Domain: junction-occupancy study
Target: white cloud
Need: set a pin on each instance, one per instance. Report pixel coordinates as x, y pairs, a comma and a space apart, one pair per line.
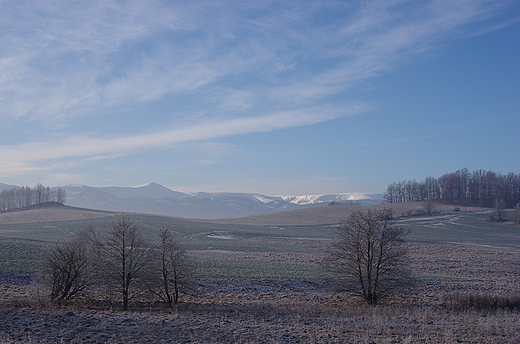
26, 157
61, 60
240, 67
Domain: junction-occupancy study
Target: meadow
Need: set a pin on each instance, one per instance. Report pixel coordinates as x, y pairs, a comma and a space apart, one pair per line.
235, 250
261, 281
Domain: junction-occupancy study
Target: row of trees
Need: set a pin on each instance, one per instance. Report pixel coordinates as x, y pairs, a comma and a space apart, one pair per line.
122, 264
25, 196
478, 188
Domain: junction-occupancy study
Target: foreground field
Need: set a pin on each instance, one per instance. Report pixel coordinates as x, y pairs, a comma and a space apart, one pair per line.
307, 319
252, 310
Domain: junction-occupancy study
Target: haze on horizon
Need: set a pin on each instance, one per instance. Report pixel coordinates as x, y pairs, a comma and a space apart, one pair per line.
270, 97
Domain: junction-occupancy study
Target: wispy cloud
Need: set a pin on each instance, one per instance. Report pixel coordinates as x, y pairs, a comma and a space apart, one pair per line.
61, 60
239, 67
25, 158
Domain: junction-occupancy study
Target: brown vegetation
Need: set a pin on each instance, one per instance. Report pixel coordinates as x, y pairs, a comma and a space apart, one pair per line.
259, 311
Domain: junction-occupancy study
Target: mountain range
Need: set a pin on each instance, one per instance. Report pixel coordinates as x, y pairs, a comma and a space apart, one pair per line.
156, 199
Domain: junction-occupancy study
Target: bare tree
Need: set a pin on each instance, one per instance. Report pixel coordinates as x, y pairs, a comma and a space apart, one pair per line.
368, 254
39, 193
68, 268
516, 214
124, 257
429, 206
61, 195
498, 209
172, 273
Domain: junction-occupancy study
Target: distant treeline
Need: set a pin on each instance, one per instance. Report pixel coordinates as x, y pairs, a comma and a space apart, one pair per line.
478, 188
25, 196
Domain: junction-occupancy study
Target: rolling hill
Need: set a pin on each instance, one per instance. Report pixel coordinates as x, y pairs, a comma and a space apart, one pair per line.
50, 212
267, 246
320, 216
310, 216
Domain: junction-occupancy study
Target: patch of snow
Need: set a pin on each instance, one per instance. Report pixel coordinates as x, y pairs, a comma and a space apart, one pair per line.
361, 198
221, 236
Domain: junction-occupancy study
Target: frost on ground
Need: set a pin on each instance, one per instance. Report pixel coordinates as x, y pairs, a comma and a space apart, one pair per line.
240, 310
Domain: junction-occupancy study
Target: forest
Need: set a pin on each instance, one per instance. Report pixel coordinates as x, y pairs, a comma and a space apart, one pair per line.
478, 188
25, 196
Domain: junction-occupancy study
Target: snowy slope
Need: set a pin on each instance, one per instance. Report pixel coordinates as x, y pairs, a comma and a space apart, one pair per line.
346, 198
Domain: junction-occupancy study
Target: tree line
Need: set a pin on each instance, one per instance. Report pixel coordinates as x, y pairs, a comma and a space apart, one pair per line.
478, 188
25, 196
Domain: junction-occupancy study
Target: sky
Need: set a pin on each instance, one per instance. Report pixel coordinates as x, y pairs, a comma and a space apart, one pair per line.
271, 97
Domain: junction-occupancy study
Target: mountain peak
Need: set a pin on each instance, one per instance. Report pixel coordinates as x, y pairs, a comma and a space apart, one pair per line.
151, 185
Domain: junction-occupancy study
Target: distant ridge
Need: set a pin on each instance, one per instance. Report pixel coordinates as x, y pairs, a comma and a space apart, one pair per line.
153, 198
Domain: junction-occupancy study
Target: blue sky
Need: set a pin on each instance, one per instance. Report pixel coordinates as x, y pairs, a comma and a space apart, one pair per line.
274, 97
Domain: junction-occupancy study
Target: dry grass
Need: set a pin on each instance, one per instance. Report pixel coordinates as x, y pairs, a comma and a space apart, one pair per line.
248, 311
261, 318
485, 302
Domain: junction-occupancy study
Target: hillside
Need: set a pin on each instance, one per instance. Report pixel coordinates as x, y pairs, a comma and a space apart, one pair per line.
311, 216
50, 212
318, 216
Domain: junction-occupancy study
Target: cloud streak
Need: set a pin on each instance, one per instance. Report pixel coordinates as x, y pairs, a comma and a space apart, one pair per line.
63, 60
231, 67
25, 158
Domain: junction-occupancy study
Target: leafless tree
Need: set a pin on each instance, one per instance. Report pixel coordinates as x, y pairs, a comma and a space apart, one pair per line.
172, 273
67, 267
516, 213
368, 254
498, 210
124, 256
61, 195
477, 188
429, 206
25, 196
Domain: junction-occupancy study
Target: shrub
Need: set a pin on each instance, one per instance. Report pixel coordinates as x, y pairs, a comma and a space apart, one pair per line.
485, 302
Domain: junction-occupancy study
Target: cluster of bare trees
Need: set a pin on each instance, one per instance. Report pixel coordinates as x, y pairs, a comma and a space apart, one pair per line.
25, 196
478, 188
122, 264
368, 255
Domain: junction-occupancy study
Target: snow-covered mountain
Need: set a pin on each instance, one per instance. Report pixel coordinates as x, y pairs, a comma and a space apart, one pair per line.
156, 199
356, 198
